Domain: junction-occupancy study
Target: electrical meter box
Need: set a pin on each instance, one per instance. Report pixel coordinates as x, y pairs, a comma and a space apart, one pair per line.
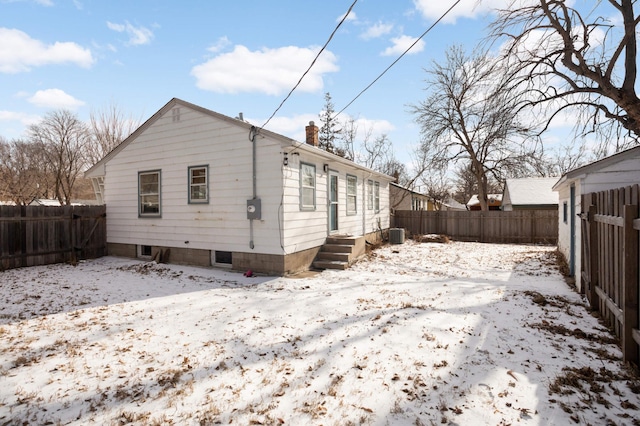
254, 210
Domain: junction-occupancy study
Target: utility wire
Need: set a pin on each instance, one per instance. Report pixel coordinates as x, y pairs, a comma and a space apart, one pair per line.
312, 63
400, 57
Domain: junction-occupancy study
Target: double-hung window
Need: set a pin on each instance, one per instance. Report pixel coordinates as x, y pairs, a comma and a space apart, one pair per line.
352, 195
307, 186
149, 194
376, 197
199, 185
369, 195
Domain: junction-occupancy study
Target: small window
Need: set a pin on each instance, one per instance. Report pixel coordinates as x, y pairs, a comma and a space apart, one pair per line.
199, 185
149, 194
565, 212
376, 196
223, 257
370, 195
307, 186
144, 251
352, 195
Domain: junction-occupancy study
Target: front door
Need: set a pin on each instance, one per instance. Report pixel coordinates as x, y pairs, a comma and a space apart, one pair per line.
333, 202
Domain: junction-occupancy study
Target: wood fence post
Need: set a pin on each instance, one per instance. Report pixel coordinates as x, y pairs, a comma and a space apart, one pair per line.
593, 258
630, 285
72, 237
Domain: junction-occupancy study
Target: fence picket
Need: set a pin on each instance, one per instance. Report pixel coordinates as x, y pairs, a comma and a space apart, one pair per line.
523, 226
38, 235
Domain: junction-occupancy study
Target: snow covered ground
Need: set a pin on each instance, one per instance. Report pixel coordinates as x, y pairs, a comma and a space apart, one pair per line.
419, 333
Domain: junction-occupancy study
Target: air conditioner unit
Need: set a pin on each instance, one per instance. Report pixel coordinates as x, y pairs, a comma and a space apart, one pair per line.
396, 235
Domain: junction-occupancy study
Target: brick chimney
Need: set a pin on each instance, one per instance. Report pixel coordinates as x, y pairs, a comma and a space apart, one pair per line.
312, 134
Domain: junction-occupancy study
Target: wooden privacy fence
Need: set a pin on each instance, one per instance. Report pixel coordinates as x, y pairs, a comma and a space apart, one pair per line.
519, 226
610, 256
39, 235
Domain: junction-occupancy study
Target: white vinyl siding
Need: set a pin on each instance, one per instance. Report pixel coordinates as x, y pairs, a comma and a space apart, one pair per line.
307, 186
198, 185
149, 194
175, 146
352, 195
198, 138
376, 197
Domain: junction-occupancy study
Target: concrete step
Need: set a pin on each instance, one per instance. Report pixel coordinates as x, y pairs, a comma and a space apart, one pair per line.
337, 248
349, 241
325, 255
330, 264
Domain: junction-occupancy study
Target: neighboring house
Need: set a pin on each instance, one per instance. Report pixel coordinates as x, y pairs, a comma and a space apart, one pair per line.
530, 194
401, 198
452, 205
616, 171
203, 188
494, 201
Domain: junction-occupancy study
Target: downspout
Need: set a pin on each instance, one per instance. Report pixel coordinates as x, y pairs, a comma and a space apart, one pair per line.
252, 137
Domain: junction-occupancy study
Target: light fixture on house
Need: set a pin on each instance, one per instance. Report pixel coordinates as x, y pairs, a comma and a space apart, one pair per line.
285, 162
325, 167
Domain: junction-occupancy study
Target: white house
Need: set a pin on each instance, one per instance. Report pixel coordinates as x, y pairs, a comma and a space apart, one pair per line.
401, 198
616, 171
534, 193
198, 187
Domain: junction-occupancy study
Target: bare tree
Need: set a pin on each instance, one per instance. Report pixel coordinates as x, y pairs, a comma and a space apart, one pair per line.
24, 175
109, 127
582, 61
465, 184
349, 138
64, 138
470, 117
437, 187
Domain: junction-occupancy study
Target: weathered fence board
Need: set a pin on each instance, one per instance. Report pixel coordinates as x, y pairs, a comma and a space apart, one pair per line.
520, 226
39, 235
610, 268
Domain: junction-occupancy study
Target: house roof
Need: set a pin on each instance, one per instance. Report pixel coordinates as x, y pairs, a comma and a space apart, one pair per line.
406, 189
597, 165
98, 168
453, 204
474, 201
530, 191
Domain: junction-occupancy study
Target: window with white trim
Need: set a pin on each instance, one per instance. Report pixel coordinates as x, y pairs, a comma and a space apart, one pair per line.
369, 194
149, 194
376, 196
352, 195
307, 186
198, 185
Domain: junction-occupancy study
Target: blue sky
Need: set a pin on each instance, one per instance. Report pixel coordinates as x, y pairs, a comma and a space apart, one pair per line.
227, 56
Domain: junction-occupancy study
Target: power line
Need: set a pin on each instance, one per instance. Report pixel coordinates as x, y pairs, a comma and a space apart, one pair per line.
312, 63
399, 57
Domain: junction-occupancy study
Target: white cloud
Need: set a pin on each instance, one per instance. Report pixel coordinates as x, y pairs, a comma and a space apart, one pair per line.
377, 127
23, 118
351, 17
376, 30
269, 71
402, 43
54, 98
219, 45
293, 127
432, 10
19, 52
137, 35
